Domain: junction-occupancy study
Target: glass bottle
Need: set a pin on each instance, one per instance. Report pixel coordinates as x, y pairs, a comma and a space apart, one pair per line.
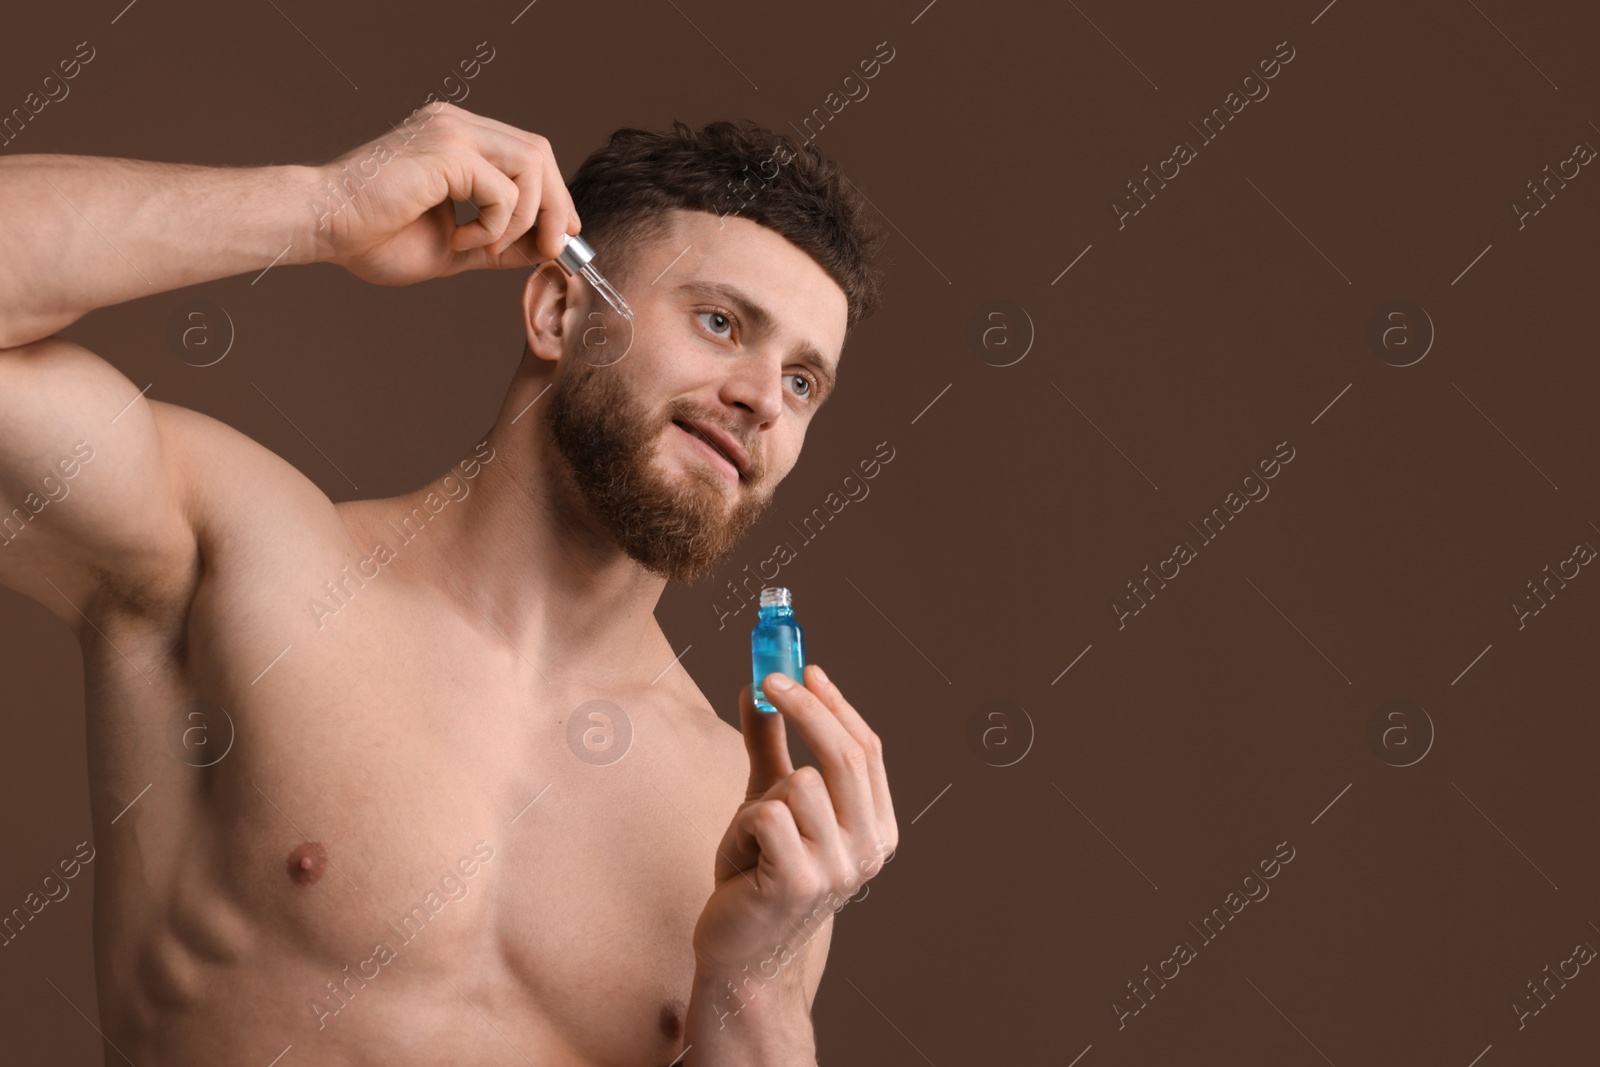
777, 643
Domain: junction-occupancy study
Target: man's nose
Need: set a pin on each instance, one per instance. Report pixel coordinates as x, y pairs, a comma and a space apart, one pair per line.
756, 385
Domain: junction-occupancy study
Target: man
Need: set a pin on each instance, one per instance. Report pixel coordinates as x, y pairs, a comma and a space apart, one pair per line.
424, 842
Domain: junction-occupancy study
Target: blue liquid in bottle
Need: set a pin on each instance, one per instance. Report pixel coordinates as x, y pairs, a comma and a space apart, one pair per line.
777, 643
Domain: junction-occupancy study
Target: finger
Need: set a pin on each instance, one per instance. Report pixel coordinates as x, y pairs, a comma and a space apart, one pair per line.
522, 253
520, 162
844, 760
524, 163
768, 831
530, 187
482, 259
852, 721
554, 195
481, 184
766, 742
519, 254
806, 793
557, 213
473, 258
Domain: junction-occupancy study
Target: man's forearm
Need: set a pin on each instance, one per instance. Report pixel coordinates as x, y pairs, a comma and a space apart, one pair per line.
85, 232
742, 1021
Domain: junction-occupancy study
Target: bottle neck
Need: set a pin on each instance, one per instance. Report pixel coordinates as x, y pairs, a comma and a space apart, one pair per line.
776, 611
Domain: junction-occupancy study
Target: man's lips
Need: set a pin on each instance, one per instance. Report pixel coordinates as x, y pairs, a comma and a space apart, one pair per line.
718, 443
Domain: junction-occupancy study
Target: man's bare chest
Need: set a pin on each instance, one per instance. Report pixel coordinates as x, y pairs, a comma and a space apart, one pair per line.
392, 812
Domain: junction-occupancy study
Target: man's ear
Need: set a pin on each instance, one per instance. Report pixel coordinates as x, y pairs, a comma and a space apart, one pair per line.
544, 310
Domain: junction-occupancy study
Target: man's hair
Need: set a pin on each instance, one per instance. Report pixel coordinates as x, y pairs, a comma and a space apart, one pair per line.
624, 189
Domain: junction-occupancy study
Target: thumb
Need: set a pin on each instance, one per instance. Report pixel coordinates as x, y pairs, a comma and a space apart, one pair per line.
766, 743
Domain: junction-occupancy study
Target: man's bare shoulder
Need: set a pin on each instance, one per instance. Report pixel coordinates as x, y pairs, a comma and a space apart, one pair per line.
717, 729
245, 504
232, 473
718, 743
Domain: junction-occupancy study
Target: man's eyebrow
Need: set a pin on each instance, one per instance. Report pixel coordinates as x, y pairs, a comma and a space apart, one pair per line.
762, 321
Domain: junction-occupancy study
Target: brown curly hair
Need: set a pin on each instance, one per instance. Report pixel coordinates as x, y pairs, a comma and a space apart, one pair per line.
624, 188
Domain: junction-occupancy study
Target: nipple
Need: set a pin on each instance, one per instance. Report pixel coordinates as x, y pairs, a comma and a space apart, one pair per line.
672, 1019
307, 862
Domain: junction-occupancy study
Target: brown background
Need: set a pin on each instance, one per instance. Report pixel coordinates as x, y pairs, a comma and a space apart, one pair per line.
1233, 713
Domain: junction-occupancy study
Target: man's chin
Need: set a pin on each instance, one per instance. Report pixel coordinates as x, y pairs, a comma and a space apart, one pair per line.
682, 571
697, 533
685, 561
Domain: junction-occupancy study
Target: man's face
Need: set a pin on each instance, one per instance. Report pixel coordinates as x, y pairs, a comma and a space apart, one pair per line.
739, 332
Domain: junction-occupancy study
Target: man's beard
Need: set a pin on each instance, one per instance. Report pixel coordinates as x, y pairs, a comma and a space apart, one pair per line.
609, 439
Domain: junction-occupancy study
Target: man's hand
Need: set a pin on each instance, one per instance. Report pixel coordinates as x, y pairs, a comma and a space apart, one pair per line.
802, 841
384, 211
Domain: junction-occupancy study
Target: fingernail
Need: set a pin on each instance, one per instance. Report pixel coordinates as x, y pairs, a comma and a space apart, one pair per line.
821, 674
780, 682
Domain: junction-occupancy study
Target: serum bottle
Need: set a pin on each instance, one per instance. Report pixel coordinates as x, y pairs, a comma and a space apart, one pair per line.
777, 643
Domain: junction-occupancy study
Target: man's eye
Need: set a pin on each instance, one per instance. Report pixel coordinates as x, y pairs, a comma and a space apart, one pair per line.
726, 321
811, 386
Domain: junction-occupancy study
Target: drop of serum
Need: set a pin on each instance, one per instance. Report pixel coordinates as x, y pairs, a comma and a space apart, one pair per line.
307, 862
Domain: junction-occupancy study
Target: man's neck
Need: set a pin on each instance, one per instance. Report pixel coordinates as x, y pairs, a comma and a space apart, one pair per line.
510, 543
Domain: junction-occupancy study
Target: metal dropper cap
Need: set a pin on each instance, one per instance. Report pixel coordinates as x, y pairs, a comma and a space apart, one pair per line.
575, 255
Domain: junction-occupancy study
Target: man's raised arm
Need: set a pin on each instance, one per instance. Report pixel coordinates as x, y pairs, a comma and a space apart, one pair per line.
85, 232
79, 233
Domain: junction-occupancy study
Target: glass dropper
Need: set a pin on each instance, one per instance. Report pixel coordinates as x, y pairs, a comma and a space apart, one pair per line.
577, 258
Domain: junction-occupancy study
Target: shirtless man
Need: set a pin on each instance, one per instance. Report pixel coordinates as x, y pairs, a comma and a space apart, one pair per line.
408, 852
